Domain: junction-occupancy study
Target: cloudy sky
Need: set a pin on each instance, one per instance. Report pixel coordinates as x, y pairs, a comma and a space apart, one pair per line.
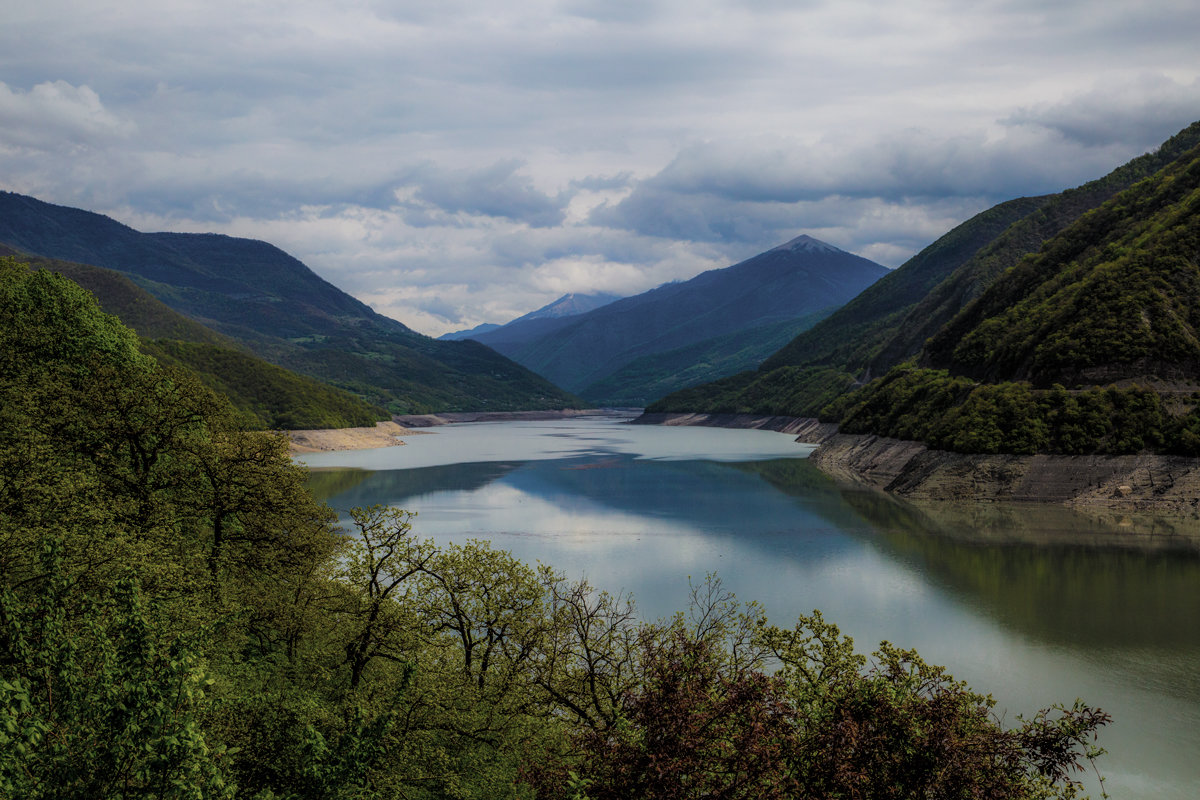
454, 162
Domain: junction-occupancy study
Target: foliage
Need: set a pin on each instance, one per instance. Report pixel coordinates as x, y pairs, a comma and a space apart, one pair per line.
703, 722
280, 399
784, 391
1091, 346
955, 413
279, 310
652, 376
1073, 337
179, 618
1112, 298
95, 704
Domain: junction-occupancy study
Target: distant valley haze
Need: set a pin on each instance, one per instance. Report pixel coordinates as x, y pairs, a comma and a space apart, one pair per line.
452, 164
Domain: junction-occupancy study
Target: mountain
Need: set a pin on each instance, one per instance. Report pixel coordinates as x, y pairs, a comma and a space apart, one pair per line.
795, 280
260, 296
571, 304
890, 321
455, 336
524, 327
1092, 345
649, 377
274, 397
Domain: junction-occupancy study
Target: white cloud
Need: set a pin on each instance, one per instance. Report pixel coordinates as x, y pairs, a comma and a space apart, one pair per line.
458, 162
57, 118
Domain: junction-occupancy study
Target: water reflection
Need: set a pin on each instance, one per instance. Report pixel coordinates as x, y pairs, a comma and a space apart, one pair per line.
1036, 605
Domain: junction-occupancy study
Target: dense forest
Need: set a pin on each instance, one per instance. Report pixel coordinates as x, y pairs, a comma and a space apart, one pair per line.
1128, 235
180, 619
265, 303
1074, 331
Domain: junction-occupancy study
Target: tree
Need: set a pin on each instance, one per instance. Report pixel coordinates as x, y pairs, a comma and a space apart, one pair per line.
94, 704
382, 559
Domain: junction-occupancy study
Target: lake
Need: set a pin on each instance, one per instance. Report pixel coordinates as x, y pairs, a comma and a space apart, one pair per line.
1034, 605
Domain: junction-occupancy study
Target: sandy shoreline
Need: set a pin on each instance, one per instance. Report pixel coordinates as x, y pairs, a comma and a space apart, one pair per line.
383, 434
458, 417
387, 434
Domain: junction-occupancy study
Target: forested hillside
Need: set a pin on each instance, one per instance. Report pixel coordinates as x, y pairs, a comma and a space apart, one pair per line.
1089, 346
890, 321
273, 397
180, 619
283, 312
792, 284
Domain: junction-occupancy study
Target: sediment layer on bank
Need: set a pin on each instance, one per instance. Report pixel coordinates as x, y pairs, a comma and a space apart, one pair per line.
806, 429
912, 470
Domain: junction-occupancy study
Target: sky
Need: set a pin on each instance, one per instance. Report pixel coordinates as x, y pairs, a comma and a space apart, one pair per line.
452, 162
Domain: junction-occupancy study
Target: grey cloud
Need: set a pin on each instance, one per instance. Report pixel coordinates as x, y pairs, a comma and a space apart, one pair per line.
734, 225
911, 163
623, 11
740, 191
597, 183
54, 115
1134, 113
495, 191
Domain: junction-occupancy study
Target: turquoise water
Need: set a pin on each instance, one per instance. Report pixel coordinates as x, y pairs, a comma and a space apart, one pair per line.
1035, 606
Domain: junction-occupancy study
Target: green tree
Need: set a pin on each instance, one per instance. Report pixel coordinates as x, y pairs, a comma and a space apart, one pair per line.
95, 704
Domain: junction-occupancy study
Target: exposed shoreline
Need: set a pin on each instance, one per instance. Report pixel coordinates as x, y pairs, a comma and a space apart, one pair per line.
807, 430
382, 434
1168, 484
455, 417
389, 433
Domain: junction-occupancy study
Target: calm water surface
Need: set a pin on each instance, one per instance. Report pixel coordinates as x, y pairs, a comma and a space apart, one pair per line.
1035, 606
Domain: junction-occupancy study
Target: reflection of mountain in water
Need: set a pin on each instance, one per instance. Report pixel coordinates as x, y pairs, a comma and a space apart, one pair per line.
741, 500
326, 482
1088, 582
1067, 578
399, 487
710, 497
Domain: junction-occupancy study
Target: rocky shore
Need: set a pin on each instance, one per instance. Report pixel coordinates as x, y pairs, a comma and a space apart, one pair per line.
1169, 484
911, 470
809, 431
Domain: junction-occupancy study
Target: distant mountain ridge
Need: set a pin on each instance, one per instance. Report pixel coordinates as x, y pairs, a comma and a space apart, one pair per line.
519, 329
261, 296
797, 279
891, 321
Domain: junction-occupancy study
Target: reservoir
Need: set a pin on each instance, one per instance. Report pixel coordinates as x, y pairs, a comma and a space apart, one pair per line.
1034, 605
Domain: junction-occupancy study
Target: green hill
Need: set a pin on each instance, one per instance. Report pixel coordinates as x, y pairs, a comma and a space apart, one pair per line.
648, 377
891, 320
597, 353
283, 312
275, 397
1090, 346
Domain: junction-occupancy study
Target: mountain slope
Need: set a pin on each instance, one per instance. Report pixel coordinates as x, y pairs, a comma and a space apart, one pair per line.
455, 336
890, 321
276, 397
259, 295
785, 283
543, 321
1090, 346
647, 378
